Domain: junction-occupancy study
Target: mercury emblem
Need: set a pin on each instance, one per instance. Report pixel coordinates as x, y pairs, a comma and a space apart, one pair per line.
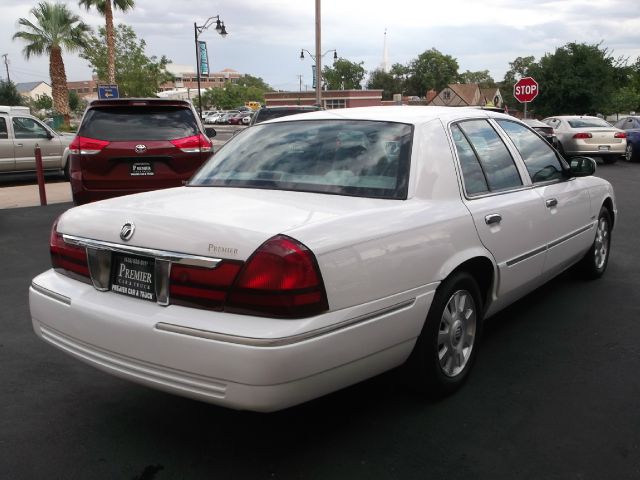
127, 231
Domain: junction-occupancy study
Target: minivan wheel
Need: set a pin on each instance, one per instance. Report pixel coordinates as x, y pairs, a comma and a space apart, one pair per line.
448, 344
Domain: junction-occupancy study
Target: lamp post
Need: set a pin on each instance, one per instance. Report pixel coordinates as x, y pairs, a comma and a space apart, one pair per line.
197, 30
317, 59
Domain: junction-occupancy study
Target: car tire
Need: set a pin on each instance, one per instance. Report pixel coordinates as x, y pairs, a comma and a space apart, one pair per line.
629, 153
65, 171
448, 344
594, 263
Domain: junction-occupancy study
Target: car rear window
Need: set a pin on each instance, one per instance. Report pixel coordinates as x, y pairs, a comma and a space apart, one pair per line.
588, 122
131, 123
265, 114
344, 157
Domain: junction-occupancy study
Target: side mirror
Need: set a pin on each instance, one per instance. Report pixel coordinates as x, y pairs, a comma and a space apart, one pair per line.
582, 166
210, 132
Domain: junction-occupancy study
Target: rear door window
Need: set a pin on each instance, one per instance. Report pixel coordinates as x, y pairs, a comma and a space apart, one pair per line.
138, 124
541, 161
497, 164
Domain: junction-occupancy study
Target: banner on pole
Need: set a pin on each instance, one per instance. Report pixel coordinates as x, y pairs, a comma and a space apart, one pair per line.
313, 73
203, 57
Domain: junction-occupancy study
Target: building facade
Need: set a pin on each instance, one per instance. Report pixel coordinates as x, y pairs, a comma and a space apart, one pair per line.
33, 90
330, 98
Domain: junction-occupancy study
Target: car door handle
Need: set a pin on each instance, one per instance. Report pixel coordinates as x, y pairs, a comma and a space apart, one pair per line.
19, 145
493, 218
552, 202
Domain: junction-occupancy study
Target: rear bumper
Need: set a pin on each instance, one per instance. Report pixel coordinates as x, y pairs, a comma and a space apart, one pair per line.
235, 361
617, 149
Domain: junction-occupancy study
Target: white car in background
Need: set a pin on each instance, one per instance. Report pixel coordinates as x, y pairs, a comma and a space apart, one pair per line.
318, 250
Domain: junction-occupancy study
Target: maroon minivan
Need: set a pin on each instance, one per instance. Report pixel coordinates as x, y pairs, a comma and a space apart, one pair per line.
134, 145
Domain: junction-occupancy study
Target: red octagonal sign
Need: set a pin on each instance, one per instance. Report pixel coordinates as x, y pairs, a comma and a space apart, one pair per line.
526, 90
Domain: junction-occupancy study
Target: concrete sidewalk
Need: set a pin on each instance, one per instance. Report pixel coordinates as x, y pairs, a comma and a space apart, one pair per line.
28, 196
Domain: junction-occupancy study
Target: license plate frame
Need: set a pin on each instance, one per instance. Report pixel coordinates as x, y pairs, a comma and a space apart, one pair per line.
604, 148
133, 276
141, 169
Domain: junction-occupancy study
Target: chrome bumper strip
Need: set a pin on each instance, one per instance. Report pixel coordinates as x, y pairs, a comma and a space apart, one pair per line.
51, 294
282, 341
174, 257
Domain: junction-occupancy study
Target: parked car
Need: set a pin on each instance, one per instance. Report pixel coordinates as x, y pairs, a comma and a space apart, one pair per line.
20, 132
631, 126
315, 251
238, 118
544, 130
267, 113
134, 145
212, 117
246, 120
224, 118
585, 135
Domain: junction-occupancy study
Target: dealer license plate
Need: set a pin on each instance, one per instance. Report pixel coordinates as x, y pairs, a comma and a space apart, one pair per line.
141, 169
133, 276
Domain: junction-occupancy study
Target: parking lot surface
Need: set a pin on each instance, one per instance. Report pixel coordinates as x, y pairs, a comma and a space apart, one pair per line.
554, 394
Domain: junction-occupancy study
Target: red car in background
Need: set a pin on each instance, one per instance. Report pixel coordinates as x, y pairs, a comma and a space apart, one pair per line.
134, 145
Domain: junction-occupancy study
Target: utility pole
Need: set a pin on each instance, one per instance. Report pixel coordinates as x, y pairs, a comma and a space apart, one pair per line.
318, 58
6, 64
300, 90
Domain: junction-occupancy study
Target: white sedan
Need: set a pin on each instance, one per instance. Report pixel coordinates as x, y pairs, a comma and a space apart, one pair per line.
315, 251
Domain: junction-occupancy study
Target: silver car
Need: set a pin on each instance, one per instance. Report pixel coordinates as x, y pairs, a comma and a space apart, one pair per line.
588, 136
19, 135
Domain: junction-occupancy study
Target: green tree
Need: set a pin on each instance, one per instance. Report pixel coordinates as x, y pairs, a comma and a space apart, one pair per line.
577, 78
344, 75
105, 7
136, 74
257, 82
55, 29
483, 78
43, 102
625, 100
518, 69
432, 70
379, 79
234, 95
9, 94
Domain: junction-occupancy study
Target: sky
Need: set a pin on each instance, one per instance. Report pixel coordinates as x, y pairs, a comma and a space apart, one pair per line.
266, 36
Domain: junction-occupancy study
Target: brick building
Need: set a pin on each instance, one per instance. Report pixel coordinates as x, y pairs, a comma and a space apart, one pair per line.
330, 98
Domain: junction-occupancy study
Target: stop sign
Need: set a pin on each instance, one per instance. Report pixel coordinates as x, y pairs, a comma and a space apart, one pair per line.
526, 90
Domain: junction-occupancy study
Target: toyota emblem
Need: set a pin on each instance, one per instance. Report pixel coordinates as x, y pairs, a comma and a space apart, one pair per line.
127, 231
141, 148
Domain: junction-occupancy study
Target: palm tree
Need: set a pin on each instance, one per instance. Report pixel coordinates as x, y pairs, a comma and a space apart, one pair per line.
55, 28
105, 7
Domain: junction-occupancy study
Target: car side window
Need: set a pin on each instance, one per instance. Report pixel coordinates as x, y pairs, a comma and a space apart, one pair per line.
4, 134
497, 164
472, 174
24, 127
541, 161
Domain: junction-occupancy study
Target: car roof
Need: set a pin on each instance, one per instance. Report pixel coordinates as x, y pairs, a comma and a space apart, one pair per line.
403, 114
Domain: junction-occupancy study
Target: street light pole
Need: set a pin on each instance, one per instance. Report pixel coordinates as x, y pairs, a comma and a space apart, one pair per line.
318, 58
197, 30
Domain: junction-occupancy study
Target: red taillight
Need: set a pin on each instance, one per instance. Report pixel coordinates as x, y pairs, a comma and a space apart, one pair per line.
86, 146
68, 258
203, 287
280, 279
194, 144
582, 135
620, 135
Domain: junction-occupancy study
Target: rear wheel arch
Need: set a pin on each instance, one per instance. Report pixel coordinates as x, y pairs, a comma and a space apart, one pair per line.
483, 272
608, 204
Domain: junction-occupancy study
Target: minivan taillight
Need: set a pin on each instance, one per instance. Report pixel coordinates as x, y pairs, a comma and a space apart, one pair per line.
194, 144
86, 146
280, 279
66, 257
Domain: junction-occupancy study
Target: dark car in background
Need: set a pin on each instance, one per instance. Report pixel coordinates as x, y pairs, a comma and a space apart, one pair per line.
631, 125
134, 145
268, 113
543, 129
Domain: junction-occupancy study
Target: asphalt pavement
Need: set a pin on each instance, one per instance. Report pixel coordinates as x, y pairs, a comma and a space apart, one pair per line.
554, 394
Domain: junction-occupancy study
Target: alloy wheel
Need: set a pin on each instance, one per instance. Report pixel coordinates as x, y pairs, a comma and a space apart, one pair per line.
457, 332
601, 243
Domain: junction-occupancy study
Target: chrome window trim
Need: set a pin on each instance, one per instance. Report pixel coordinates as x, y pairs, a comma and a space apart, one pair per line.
174, 257
281, 341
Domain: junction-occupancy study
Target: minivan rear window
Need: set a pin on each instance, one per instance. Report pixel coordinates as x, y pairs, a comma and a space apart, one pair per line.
136, 124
